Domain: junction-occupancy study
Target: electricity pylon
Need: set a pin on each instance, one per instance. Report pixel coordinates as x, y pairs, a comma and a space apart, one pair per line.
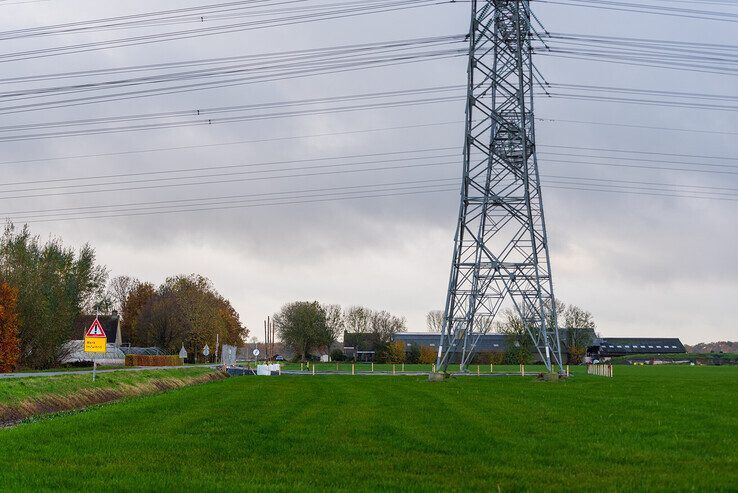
501, 249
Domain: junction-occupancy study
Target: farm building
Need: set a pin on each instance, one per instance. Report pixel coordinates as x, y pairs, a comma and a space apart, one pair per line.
607, 347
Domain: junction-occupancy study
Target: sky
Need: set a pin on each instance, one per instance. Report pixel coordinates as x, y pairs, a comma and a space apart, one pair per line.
643, 264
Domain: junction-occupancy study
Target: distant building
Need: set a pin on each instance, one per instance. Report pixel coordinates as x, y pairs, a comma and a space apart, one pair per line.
608, 347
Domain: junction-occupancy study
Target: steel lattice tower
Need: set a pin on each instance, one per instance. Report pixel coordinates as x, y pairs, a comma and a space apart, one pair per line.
501, 248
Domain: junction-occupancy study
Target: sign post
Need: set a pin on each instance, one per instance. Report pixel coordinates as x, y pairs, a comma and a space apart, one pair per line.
96, 341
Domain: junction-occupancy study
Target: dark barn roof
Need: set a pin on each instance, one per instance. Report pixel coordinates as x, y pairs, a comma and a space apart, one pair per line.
486, 343
621, 346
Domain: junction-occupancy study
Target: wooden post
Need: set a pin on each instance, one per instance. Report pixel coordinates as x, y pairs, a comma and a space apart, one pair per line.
477, 370
433, 368
336, 366
302, 366
372, 366
353, 369
567, 370
393, 369
522, 370
403, 368
313, 369
490, 367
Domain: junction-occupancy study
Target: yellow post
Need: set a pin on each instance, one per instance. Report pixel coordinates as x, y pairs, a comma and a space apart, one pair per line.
433, 368
353, 369
313, 369
567, 370
336, 366
477, 370
393, 369
522, 370
302, 366
490, 367
372, 366
403, 368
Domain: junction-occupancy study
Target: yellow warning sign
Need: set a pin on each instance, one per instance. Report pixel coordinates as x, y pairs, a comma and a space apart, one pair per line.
96, 341
96, 344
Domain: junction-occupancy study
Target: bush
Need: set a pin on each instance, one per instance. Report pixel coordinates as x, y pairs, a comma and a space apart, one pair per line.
148, 360
337, 355
413, 356
489, 358
427, 355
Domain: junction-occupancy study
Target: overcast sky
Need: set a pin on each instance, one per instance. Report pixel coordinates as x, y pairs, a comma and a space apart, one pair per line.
643, 265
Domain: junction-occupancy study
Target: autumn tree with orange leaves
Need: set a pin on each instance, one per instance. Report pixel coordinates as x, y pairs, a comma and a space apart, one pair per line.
9, 342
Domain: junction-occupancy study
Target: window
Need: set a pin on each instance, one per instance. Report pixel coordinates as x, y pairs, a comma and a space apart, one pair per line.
497, 345
650, 347
673, 347
620, 346
658, 347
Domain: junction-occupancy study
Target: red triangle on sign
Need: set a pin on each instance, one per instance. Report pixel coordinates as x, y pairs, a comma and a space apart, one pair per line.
95, 330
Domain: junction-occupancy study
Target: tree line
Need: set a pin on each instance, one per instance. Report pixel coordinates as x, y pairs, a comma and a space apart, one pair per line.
306, 327
576, 328
45, 287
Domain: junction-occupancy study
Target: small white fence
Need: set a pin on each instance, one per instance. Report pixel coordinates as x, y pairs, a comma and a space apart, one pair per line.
600, 370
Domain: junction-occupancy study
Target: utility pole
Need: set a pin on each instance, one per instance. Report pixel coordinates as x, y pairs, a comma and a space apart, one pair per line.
501, 252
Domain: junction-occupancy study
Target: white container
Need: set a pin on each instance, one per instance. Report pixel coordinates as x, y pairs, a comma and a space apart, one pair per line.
263, 370
275, 368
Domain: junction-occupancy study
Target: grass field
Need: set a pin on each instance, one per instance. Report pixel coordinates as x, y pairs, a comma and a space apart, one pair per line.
650, 428
15, 390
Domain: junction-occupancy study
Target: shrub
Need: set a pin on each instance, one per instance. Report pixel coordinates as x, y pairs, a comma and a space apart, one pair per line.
396, 352
489, 358
427, 355
413, 356
149, 360
337, 355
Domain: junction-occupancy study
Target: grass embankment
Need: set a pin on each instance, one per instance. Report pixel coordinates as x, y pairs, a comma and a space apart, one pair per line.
26, 397
647, 429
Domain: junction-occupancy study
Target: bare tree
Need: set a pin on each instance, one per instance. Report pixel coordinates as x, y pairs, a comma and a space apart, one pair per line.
118, 289
434, 321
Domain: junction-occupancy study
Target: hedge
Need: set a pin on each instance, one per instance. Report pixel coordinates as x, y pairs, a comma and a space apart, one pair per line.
148, 360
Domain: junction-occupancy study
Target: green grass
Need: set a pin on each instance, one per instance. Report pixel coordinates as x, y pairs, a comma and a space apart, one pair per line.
14, 390
387, 367
647, 429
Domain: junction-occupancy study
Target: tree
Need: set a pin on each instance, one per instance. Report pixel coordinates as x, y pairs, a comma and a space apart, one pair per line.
9, 342
138, 296
434, 321
427, 355
413, 355
119, 288
185, 310
55, 285
580, 327
396, 352
335, 319
520, 346
303, 327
